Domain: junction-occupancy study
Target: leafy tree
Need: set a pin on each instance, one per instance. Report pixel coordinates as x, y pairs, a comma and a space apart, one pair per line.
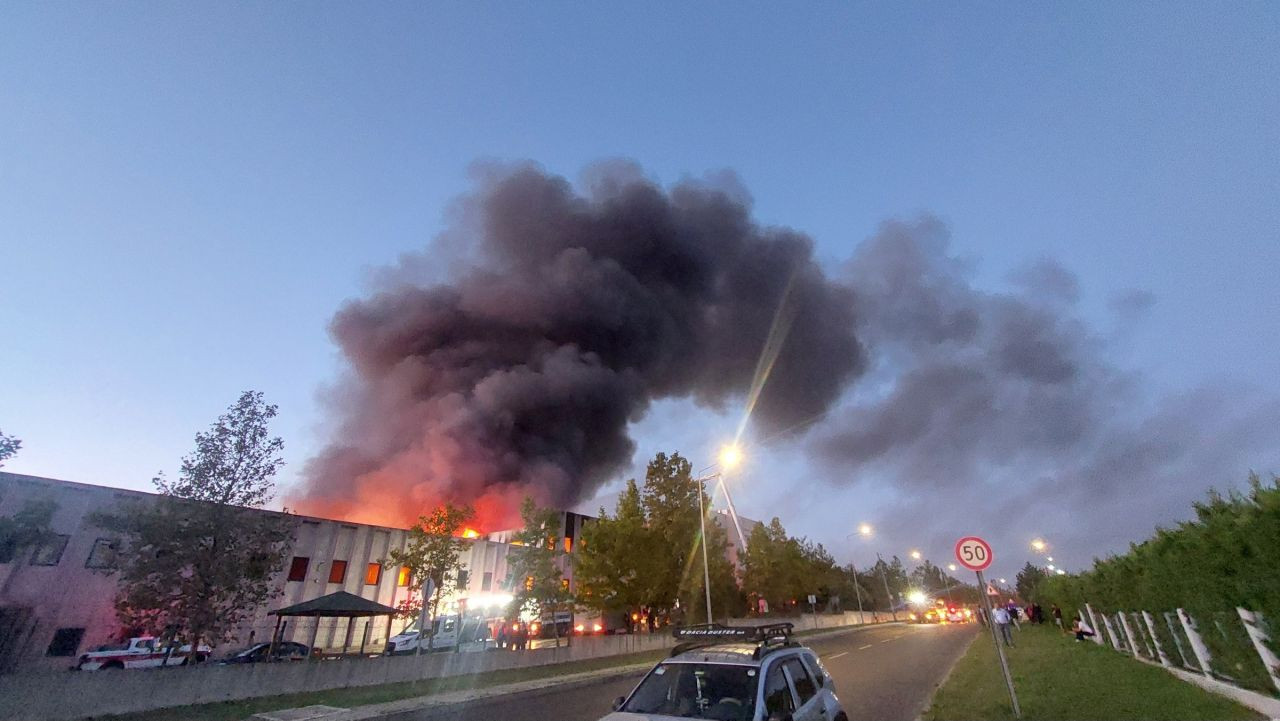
615, 557
670, 499
726, 596
196, 562
534, 570
1030, 582
894, 575
9, 446
25, 529
432, 553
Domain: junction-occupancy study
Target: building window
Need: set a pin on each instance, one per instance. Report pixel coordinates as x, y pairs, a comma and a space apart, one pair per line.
66, 641
486, 581
464, 578
373, 574
298, 568
406, 575
50, 552
337, 572
103, 554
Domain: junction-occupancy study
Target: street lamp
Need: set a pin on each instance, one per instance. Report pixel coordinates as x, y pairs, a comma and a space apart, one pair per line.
1038, 545
864, 529
730, 456
915, 555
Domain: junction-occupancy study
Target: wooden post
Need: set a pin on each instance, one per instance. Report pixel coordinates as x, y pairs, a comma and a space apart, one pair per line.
275, 638
311, 654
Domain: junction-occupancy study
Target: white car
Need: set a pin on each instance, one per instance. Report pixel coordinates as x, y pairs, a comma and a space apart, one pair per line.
751, 673
139, 652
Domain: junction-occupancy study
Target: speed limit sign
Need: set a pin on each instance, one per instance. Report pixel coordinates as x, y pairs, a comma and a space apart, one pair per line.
973, 553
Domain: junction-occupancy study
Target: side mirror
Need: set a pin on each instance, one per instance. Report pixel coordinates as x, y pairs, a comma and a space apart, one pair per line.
617, 702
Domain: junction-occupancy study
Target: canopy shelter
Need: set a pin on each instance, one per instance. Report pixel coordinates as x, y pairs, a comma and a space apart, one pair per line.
335, 605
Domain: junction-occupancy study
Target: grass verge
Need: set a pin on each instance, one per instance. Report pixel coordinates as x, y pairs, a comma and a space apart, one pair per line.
364, 695
1057, 678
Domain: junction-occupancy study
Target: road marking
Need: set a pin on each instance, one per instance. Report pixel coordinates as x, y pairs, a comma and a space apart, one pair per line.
887, 640
837, 655
862, 647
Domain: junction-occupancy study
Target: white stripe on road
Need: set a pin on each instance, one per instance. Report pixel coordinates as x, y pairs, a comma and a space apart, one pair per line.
862, 647
837, 655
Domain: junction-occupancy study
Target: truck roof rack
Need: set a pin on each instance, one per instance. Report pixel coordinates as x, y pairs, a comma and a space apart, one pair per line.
768, 636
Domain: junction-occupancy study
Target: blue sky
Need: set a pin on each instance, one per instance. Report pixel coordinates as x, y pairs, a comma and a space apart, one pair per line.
189, 191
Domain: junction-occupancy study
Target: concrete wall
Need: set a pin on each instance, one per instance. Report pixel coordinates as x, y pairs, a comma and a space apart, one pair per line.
64, 696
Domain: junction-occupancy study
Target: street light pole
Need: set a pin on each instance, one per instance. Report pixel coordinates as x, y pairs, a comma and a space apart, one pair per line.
706, 565
885, 578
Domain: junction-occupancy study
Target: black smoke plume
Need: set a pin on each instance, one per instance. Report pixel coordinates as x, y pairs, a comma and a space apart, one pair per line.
516, 366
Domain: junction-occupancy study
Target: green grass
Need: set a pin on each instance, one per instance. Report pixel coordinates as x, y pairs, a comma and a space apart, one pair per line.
363, 695
1058, 678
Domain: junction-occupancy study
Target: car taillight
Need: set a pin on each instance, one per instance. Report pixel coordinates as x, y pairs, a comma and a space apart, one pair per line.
580, 628
597, 628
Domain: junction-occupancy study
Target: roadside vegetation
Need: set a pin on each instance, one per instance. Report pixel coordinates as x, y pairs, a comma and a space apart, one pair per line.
1223, 559
1057, 677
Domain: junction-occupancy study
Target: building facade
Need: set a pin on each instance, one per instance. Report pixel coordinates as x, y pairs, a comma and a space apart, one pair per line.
57, 599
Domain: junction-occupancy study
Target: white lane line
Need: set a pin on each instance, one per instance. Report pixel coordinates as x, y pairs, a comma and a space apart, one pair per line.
862, 647
837, 655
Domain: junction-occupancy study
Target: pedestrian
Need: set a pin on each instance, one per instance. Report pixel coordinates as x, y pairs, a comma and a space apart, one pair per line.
502, 634
1081, 629
1037, 614
1057, 615
1002, 620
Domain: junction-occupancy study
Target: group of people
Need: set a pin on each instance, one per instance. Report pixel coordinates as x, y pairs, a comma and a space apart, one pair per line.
515, 638
1009, 616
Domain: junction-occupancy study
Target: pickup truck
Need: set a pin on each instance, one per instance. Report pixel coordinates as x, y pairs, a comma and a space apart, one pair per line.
139, 652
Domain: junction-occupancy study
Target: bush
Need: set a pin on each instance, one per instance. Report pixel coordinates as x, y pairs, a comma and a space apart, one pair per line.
1224, 558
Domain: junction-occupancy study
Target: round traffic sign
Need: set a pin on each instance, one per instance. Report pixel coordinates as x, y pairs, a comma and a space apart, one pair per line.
973, 553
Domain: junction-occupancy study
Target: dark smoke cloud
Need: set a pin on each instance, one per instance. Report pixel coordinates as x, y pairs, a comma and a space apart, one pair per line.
1000, 413
551, 319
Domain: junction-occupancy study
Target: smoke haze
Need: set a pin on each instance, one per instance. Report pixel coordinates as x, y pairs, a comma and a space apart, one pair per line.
514, 355
514, 364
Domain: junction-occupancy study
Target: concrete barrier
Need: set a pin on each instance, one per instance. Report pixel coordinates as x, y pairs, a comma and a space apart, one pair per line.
74, 695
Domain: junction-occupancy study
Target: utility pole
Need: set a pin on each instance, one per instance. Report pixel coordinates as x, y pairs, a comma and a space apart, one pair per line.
884, 576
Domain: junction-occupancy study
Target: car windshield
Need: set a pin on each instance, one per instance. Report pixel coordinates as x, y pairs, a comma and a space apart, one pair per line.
697, 690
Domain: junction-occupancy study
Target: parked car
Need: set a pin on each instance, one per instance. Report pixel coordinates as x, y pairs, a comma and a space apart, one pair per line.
285, 651
139, 652
734, 674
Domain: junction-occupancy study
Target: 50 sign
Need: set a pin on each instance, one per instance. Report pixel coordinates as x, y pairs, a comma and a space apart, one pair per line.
973, 553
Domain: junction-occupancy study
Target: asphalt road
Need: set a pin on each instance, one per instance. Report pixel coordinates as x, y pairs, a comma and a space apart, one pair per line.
883, 672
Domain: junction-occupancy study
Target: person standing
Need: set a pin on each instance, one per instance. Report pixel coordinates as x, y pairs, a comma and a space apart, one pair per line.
1002, 620
1057, 615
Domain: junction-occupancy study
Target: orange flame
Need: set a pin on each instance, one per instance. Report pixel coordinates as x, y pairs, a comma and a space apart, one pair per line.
470, 533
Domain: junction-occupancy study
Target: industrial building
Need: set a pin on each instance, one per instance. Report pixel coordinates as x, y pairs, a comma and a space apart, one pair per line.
57, 600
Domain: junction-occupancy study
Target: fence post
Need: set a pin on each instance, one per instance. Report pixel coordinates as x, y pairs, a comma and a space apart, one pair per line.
1111, 632
1146, 640
1097, 629
1197, 644
1128, 632
1151, 628
1253, 626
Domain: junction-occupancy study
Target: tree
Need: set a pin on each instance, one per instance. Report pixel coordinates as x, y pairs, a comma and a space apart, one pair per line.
533, 564
670, 500
615, 555
9, 446
196, 562
27, 528
432, 553
1030, 583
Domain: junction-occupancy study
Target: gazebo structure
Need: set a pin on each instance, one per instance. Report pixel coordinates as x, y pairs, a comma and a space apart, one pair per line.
335, 605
